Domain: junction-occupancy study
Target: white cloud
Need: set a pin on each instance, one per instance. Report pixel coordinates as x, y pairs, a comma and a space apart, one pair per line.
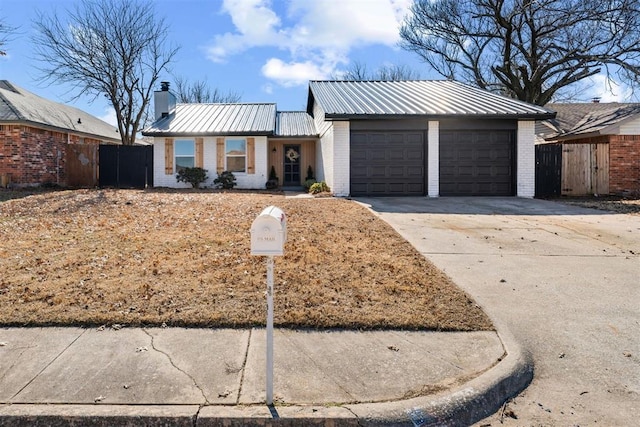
256, 25
110, 116
608, 90
318, 35
292, 73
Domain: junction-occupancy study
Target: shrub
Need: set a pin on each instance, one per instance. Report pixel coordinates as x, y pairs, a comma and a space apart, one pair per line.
310, 175
308, 183
272, 183
225, 180
194, 176
319, 187
272, 174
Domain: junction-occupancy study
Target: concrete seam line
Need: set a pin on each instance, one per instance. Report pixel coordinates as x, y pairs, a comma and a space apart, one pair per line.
48, 364
244, 366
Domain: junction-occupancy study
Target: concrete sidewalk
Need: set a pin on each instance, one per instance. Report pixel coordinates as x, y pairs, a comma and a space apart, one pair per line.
176, 376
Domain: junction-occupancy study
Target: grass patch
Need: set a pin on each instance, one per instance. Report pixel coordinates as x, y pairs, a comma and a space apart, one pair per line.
92, 257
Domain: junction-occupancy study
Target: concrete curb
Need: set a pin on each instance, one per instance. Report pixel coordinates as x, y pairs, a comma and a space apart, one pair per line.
461, 406
59, 415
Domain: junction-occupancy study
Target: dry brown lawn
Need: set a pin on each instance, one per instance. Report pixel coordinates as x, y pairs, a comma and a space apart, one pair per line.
94, 257
607, 203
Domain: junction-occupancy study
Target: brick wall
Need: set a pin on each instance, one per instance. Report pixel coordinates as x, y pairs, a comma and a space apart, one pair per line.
31, 155
433, 159
256, 180
624, 164
341, 159
525, 158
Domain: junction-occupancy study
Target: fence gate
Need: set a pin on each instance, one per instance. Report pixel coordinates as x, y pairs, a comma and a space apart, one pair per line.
585, 169
81, 165
548, 170
126, 166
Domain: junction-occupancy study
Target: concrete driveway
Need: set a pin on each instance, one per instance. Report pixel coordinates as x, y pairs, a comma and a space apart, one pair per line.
564, 280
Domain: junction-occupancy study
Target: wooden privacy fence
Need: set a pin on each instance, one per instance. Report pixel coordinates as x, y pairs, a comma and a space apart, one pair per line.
585, 169
81, 165
548, 170
126, 166
117, 166
572, 169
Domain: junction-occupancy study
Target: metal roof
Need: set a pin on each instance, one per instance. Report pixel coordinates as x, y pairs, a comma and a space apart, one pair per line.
216, 119
20, 105
583, 119
295, 124
431, 98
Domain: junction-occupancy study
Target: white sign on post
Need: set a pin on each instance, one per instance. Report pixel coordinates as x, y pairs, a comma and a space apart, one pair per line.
268, 234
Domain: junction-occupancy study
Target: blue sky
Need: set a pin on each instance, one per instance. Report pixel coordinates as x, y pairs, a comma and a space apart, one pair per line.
265, 50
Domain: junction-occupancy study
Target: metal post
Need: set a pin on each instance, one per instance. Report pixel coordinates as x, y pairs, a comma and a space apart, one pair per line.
269, 330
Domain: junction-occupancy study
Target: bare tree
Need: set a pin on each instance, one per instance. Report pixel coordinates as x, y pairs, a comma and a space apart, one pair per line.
199, 92
358, 71
6, 31
527, 49
114, 48
396, 72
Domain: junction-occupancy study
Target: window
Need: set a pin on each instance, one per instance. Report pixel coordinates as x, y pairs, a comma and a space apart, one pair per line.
236, 154
185, 154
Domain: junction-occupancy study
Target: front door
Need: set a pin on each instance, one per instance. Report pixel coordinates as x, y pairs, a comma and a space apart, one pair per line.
291, 165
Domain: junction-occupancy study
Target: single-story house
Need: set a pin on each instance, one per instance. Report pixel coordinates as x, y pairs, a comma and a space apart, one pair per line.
38, 136
387, 138
598, 145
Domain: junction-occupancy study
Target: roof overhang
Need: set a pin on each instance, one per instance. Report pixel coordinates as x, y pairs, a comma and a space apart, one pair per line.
573, 137
29, 123
203, 134
344, 117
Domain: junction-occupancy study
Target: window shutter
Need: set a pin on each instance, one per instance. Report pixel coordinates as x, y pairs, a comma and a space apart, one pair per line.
199, 152
219, 155
251, 155
168, 156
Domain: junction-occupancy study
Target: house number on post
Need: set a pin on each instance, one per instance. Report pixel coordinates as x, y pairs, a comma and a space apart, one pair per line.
268, 234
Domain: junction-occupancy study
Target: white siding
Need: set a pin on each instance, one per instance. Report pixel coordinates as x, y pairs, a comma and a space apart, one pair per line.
245, 181
257, 180
630, 128
160, 179
433, 159
525, 154
341, 159
324, 159
318, 117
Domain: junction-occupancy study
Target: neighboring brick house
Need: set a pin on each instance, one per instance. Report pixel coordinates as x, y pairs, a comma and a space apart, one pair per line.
36, 133
600, 147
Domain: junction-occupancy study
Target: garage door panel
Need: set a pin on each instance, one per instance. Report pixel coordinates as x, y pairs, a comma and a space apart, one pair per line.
394, 166
358, 156
397, 156
377, 155
477, 163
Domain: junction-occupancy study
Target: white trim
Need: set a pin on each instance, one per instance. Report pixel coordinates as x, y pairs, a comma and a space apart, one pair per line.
433, 159
525, 159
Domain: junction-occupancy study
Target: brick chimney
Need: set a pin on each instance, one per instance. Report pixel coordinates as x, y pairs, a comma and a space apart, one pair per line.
164, 101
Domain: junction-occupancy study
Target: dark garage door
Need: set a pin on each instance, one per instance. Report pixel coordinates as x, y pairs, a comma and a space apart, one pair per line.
387, 163
477, 163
